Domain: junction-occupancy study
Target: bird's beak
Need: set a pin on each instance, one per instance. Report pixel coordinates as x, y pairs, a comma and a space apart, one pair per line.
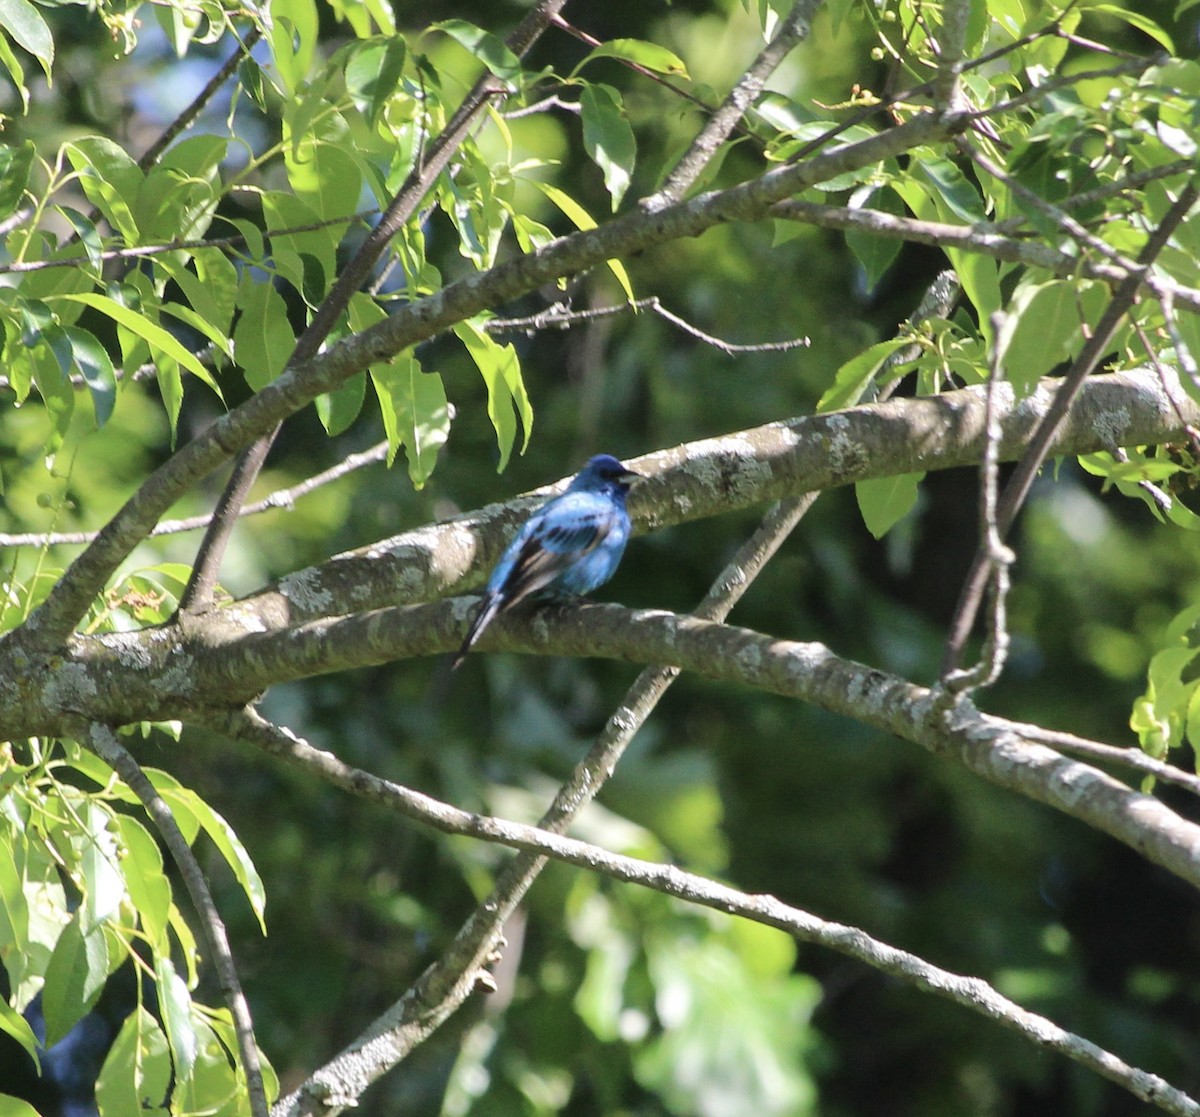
632, 476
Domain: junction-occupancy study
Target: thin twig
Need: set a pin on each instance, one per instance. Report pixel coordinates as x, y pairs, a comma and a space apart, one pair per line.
1186, 362
186, 118
993, 552
1132, 758
447, 983
281, 498
1184, 355
562, 316
105, 744
591, 41
144, 251
721, 123
198, 593
541, 843
553, 101
1039, 446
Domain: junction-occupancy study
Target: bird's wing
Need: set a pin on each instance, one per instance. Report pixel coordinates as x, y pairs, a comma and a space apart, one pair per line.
563, 532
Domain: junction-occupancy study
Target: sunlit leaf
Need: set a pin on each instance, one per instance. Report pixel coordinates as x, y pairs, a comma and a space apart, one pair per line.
608, 138
583, 220
25, 24
415, 411
885, 501
640, 52
175, 1009
857, 374
262, 340
501, 371
74, 978
488, 48
137, 1073
151, 332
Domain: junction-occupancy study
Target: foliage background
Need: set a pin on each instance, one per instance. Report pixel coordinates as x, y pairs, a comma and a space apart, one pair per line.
621, 1001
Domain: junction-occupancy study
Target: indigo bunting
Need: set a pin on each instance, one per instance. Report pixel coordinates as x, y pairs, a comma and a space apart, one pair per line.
570, 545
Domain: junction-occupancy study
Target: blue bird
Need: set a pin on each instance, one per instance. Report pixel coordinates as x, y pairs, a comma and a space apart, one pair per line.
570, 545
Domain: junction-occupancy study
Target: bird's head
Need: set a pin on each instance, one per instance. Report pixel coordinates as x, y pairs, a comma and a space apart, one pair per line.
604, 470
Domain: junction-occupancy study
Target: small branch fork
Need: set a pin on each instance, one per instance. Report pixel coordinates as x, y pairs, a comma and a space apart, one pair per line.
994, 554
1015, 493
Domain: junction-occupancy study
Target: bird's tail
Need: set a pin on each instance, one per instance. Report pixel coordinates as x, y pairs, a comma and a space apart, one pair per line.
488, 608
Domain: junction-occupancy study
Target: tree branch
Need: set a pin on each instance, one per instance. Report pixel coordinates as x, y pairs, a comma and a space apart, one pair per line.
443, 988
717, 475
198, 594
540, 843
105, 744
280, 498
1040, 445
982, 238
720, 125
51, 622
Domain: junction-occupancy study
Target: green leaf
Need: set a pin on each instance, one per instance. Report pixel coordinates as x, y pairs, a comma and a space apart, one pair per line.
583, 220
53, 383
642, 53
293, 37
137, 1074
212, 292
950, 185
875, 253
88, 236
262, 341
488, 48
175, 1009
501, 371
1044, 327
16, 1107
35, 906
857, 374
373, 72
25, 24
980, 279
15, 71
15, 164
326, 176
110, 179
178, 197
150, 332
415, 413
608, 139
170, 387
338, 409
884, 501
74, 978
13, 1024
96, 368
288, 249
148, 887
182, 799
103, 883
1135, 19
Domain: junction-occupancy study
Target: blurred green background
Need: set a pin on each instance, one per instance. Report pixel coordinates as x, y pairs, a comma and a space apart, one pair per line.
615, 1001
